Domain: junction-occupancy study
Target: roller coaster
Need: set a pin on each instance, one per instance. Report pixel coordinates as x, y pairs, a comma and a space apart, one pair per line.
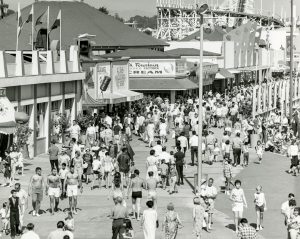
176, 19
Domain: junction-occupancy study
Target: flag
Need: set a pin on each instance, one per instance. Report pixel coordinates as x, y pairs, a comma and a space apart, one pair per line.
29, 18
20, 22
41, 19
57, 22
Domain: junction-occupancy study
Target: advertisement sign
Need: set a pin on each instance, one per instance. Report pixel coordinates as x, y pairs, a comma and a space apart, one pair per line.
152, 68
120, 76
102, 71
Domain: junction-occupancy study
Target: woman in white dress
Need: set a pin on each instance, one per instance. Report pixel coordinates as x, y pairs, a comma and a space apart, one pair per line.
151, 164
108, 167
239, 201
149, 220
163, 131
150, 132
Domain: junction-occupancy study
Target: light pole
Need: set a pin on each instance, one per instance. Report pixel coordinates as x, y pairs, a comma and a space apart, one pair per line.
291, 60
202, 10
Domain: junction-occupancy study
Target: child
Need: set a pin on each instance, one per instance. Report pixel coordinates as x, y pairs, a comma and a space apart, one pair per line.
216, 151
260, 207
62, 174
245, 150
173, 179
164, 173
96, 172
259, 151
227, 171
4, 219
129, 233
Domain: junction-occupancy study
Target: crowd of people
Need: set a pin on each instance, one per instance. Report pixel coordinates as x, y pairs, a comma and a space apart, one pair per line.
104, 158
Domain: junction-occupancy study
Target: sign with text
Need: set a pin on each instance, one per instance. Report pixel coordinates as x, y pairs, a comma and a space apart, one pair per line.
120, 76
102, 71
152, 68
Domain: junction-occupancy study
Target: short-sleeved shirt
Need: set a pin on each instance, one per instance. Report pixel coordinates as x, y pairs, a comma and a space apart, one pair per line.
179, 158
164, 169
247, 232
123, 161
119, 212
53, 152
237, 143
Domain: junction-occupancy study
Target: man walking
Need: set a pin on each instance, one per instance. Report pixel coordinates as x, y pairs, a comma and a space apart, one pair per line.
72, 182
237, 149
53, 154
23, 201
124, 163
53, 189
36, 188
194, 147
118, 214
179, 161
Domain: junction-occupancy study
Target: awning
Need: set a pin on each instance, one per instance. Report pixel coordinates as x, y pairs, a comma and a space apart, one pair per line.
7, 115
131, 95
105, 98
223, 74
161, 84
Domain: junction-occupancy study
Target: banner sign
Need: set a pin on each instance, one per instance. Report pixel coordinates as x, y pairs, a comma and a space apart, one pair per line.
152, 68
120, 76
102, 71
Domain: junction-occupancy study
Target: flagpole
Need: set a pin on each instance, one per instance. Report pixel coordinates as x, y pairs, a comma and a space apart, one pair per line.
32, 27
60, 31
47, 29
17, 45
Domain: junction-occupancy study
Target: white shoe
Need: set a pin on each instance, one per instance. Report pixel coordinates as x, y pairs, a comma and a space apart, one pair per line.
38, 215
33, 213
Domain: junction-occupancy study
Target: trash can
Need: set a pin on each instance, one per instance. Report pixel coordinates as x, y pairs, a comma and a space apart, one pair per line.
254, 138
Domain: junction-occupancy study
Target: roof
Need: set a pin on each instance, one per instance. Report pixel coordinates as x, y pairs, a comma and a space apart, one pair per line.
216, 35
140, 53
161, 84
77, 18
223, 74
190, 52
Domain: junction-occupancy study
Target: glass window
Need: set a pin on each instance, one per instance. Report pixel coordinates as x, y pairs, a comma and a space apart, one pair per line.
55, 106
40, 122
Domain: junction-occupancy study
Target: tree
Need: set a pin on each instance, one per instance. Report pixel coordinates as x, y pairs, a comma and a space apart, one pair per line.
144, 22
104, 10
117, 16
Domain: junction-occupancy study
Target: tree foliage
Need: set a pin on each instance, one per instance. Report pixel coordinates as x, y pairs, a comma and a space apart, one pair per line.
144, 21
104, 10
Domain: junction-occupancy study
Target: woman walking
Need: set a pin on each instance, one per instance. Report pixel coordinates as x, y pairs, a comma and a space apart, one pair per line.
198, 217
149, 221
239, 201
171, 222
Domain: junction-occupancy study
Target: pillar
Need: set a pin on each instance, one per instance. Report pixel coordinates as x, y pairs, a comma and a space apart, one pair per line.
19, 71
35, 65
3, 66
48, 117
49, 63
254, 100
259, 98
172, 100
63, 62
34, 118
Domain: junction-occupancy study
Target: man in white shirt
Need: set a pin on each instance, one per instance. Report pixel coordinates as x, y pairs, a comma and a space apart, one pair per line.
158, 148
194, 147
285, 208
74, 130
165, 155
183, 142
209, 191
30, 234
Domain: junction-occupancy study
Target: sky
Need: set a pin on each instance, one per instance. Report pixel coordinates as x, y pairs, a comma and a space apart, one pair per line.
148, 7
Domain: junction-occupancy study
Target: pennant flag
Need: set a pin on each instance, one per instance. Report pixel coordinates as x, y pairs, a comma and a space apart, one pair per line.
57, 22
41, 19
20, 22
29, 19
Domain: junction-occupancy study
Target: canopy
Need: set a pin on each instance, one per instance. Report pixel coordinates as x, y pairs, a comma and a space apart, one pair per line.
223, 74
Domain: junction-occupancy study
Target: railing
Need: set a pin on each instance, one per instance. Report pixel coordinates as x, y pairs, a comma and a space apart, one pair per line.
37, 66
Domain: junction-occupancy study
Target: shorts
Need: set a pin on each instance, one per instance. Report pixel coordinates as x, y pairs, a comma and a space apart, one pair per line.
136, 194
54, 192
72, 190
152, 195
238, 207
96, 172
37, 196
260, 208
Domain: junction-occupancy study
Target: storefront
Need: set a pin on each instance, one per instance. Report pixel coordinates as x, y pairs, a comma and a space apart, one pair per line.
110, 87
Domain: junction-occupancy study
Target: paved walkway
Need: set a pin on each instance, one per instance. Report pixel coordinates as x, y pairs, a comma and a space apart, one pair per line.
93, 222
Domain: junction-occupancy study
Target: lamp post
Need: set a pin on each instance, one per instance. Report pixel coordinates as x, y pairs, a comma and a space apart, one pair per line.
291, 60
202, 10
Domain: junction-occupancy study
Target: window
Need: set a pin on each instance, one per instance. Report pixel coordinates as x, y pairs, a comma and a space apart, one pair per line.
68, 104
40, 121
55, 106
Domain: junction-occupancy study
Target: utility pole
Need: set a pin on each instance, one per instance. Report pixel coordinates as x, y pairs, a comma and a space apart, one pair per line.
291, 60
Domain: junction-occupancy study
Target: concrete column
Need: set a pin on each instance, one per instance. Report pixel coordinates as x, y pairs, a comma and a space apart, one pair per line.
264, 98
76, 66
172, 100
270, 89
19, 64
49, 63
63, 62
259, 98
48, 117
31, 144
254, 101
35, 68
34, 109
3, 66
